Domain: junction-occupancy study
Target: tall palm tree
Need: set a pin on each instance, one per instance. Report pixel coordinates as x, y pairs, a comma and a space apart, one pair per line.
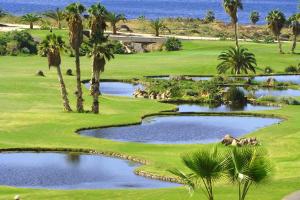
101, 53
206, 166
254, 17
294, 25
74, 19
276, 21
247, 166
238, 60
231, 7
56, 15
114, 18
51, 47
157, 25
101, 50
30, 18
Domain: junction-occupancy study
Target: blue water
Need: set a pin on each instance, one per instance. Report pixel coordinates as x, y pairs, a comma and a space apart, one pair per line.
159, 8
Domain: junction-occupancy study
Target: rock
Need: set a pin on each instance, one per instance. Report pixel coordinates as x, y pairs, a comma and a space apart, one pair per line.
229, 140
17, 197
69, 72
125, 28
40, 73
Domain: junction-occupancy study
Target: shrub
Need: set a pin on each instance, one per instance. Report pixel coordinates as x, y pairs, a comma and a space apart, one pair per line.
25, 50
268, 70
291, 69
118, 47
236, 96
173, 44
289, 101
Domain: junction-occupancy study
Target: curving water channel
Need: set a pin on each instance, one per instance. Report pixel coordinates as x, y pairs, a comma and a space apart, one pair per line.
221, 108
71, 171
183, 129
117, 88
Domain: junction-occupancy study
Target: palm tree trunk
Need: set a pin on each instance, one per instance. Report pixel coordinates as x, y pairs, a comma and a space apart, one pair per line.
294, 44
78, 79
279, 44
236, 35
114, 29
96, 92
64, 93
58, 24
157, 32
31, 25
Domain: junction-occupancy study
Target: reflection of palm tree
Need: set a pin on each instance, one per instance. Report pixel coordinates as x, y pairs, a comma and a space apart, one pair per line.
73, 158
206, 167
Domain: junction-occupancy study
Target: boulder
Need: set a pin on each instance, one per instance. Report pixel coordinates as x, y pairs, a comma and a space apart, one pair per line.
40, 73
125, 28
229, 140
69, 72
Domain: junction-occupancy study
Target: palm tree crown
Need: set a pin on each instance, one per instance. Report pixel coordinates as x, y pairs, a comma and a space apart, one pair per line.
231, 7
31, 18
56, 15
238, 60
247, 166
2, 13
97, 22
206, 166
254, 17
114, 18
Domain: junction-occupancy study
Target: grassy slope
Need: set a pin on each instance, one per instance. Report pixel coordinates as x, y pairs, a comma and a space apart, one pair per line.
31, 116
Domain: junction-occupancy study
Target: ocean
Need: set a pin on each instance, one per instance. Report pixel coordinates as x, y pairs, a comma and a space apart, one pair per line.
159, 8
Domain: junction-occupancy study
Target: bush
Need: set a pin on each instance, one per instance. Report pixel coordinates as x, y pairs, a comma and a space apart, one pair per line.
268, 70
236, 96
291, 69
25, 50
118, 47
173, 44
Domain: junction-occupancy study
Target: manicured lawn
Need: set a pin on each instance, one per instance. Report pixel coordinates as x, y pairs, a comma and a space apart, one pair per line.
31, 116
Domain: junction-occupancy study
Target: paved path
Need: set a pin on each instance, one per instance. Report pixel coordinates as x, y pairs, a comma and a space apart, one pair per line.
294, 196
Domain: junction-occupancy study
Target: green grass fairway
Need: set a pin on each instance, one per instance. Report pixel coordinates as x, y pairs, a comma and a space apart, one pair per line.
31, 116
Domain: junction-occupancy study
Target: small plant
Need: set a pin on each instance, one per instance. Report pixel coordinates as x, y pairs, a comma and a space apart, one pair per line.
173, 44
268, 70
291, 69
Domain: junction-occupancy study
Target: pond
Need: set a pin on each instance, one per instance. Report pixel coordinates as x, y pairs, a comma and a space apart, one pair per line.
183, 129
221, 108
117, 88
71, 171
274, 92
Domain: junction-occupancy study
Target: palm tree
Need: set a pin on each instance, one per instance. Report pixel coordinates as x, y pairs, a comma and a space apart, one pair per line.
102, 51
114, 18
238, 60
276, 21
254, 17
231, 7
206, 166
31, 18
56, 15
247, 166
73, 17
157, 25
294, 25
2, 13
51, 47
